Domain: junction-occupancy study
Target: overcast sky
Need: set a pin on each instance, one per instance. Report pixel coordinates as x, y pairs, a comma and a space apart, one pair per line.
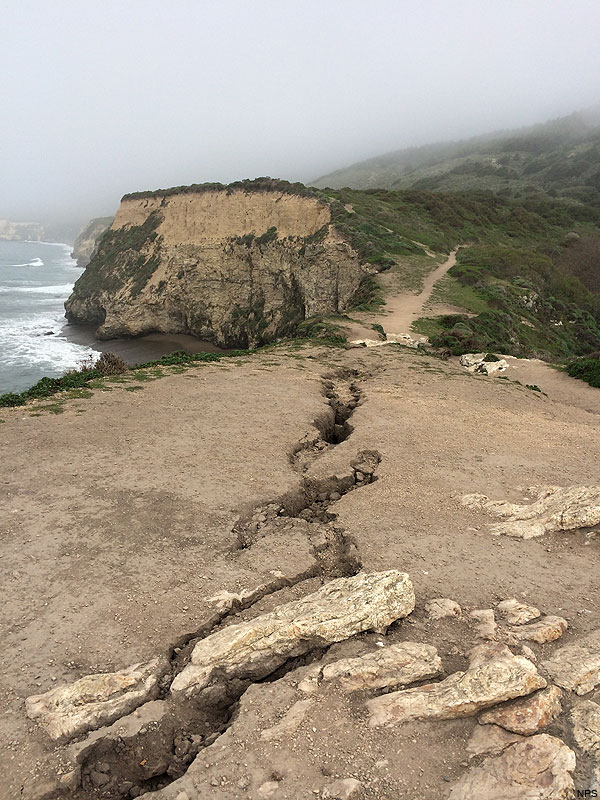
102, 97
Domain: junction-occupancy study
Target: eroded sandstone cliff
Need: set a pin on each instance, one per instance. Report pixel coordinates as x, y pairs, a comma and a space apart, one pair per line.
86, 241
238, 265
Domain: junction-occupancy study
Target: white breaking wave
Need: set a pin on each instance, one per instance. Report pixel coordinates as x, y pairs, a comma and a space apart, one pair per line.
36, 262
64, 289
26, 340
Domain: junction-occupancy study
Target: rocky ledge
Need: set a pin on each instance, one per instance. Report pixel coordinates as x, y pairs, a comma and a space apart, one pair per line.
238, 265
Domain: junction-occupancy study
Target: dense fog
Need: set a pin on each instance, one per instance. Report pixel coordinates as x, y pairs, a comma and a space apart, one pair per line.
102, 98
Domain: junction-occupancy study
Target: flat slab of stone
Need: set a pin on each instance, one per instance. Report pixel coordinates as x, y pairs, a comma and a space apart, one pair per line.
514, 612
547, 629
585, 717
95, 700
441, 607
577, 666
556, 508
394, 665
340, 609
494, 676
487, 627
490, 740
343, 789
290, 721
527, 715
539, 768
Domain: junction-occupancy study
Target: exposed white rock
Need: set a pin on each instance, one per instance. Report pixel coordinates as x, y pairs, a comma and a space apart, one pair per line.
539, 768
585, 717
577, 666
494, 675
96, 700
343, 789
471, 359
474, 362
490, 740
341, 609
487, 624
395, 665
527, 715
441, 607
556, 508
516, 613
547, 629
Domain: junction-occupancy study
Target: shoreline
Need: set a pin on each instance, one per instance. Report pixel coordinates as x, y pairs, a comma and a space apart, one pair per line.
138, 350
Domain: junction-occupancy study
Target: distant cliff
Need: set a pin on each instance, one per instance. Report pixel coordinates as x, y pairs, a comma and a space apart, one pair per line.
238, 265
87, 239
21, 231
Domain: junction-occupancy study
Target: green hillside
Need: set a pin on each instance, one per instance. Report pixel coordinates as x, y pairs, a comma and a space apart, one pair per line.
559, 158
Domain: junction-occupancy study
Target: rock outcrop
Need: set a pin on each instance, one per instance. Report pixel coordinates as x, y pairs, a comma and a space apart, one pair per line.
494, 675
556, 508
95, 700
87, 240
342, 608
237, 265
540, 768
577, 666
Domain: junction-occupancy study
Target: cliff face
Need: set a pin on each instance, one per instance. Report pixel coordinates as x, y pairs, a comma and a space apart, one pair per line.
20, 231
232, 265
86, 241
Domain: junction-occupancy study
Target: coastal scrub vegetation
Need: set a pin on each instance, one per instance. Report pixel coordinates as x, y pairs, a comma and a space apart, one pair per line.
586, 369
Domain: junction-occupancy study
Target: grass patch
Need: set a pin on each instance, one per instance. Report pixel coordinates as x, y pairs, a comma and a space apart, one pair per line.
133, 388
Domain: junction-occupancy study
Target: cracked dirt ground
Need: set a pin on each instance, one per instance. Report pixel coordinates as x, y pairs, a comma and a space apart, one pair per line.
119, 524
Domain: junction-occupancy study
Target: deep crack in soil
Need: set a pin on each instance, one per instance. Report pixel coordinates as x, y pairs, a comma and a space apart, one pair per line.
150, 748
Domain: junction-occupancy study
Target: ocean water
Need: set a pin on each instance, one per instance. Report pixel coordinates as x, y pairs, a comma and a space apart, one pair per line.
35, 341
35, 280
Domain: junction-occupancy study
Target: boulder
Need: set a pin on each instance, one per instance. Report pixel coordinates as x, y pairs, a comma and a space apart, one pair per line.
539, 768
556, 508
577, 666
547, 629
471, 359
494, 675
395, 665
337, 611
515, 613
441, 607
96, 700
528, 714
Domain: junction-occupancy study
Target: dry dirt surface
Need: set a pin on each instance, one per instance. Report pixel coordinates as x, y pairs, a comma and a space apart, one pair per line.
125, 516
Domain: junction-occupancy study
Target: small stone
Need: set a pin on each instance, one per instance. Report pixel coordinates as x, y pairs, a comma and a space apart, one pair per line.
487, 624
441, 607
99, 779
268, 789
528, 714
515, 613
343, 789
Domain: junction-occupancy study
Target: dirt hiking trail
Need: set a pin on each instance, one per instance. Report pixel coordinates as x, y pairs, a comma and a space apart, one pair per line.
403, 309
